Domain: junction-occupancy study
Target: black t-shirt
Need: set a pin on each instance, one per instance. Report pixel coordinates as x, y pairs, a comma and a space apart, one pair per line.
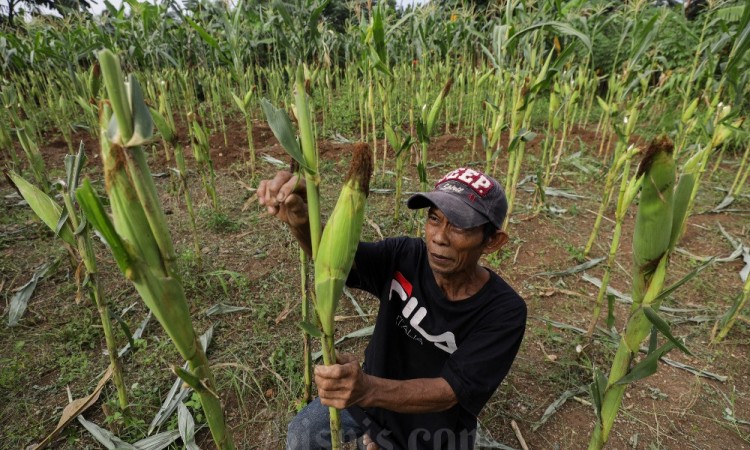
419, 333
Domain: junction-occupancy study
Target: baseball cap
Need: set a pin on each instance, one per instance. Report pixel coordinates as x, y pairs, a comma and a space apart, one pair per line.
467, 197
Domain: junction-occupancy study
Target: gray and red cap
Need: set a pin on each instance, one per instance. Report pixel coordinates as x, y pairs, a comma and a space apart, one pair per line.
467, 197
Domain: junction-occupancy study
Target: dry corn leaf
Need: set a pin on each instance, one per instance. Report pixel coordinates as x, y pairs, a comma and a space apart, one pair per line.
74, 409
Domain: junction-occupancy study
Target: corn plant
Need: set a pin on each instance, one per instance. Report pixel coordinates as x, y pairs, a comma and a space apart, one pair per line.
336, 256
629, 187
333, 249
70, 224
138, 235
724, 325
169, 135
202, 154
623, 135
36, 162
304, 153
401, 142
425, 128
244, 105
660, 217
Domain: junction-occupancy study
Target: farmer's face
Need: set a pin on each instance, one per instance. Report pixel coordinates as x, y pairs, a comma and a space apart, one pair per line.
451, 250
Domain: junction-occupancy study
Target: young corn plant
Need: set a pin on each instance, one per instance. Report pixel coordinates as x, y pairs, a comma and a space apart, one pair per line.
169, 135
36, 162
425, 127
332, 249
660, 217
628, 190
202, 154
70, 225
139, 238
623, 135
401, 142
305, 155
244, 105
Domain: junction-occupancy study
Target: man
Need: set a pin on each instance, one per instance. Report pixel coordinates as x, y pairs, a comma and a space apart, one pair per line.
447, 329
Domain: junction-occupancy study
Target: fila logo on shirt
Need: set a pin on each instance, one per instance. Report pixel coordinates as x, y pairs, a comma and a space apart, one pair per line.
401, 286
476, 180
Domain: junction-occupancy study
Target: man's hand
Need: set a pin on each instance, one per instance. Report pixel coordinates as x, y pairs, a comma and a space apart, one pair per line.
344, 384
284, 197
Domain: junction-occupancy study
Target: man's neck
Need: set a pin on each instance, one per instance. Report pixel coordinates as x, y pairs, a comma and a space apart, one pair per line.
463, 285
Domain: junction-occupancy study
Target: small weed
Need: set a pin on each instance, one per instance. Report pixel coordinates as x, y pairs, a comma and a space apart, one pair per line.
73, 367
575, 253
219, 222
12, 368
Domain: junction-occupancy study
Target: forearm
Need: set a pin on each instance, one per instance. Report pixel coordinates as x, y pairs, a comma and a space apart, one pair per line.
415, 396
302, 234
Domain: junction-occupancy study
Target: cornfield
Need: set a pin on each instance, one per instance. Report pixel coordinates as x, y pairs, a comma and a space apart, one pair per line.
134, 139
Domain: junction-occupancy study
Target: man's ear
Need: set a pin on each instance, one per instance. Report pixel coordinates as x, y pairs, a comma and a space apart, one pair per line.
495, 242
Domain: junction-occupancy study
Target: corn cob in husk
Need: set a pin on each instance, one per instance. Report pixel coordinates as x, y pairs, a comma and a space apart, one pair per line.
336, 256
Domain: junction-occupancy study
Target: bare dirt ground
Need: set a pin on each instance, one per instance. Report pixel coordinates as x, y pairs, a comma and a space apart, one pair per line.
250, 261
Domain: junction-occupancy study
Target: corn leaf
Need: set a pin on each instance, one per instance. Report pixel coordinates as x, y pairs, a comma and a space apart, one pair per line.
158, 441
239, 102
643, 39
110, 441
556, 405
663, 327
282, 128
668, 291
560, 27
221, 308
362, 332
143, 126
73, 166
136, 335
76, 408
186, 427
208, 39
647, 366
162, 126
575, 269
96, 215
177, 393
742, 41
20, 301
42, 205
105, 437
598, 387
310, 329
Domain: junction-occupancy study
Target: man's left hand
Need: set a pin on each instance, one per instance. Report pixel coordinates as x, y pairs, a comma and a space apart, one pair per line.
342, 385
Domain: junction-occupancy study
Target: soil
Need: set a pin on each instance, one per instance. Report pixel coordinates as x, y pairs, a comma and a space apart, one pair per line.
250, 261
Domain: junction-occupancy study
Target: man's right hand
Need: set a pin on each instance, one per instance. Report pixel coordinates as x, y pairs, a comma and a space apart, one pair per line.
284, 196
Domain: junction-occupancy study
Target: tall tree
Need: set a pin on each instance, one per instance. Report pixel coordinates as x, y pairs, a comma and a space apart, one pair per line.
8, 8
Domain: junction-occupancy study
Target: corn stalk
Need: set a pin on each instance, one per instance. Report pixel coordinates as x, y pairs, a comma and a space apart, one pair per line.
139, 238
425, 127
169, 135
628, 190
244, 105
661, 213
71, 226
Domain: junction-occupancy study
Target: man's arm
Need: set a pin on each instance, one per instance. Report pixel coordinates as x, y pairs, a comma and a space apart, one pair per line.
284, 196
345, 384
